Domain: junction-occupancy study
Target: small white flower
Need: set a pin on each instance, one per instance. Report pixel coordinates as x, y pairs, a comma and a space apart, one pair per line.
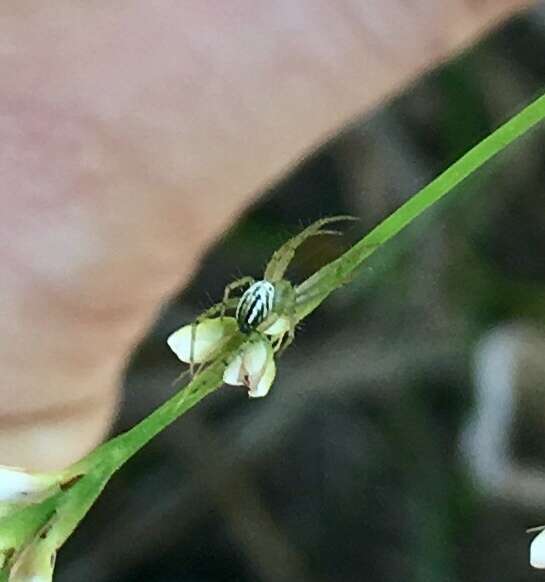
254, 368
207, 335
537, 551
18, 485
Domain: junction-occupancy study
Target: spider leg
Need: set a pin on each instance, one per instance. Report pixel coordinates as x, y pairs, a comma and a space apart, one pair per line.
235, 285
278, 263
282, 345
215, 309
279, 344
179, 378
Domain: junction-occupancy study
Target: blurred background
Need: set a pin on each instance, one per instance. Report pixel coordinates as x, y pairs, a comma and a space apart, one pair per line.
404, 437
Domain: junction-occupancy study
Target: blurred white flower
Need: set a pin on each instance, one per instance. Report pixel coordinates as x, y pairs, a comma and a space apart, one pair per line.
254, 368
537, 551
18, 485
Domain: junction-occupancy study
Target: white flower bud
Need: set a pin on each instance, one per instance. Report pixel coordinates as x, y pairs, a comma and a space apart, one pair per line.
254, 368
207, 335
232, 374
264, 385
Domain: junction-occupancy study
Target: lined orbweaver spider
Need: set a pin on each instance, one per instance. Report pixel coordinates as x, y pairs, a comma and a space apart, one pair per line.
266, 312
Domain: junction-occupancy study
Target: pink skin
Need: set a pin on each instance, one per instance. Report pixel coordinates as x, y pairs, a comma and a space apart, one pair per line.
133, 134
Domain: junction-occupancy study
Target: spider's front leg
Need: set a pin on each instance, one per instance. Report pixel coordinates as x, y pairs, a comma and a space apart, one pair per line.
284, 316
291, 316
279, 262
231, 287
282, 345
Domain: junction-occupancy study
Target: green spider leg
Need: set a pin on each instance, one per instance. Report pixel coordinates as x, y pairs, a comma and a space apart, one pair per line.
180, 377
281, 258
276, 269
213, 310
282, 345
231, 287
277, 341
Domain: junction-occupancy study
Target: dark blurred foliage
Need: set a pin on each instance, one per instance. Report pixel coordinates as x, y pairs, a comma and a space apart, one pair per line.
350, 470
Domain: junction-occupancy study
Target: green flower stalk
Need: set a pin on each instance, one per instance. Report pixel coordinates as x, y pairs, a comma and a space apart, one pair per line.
39, 512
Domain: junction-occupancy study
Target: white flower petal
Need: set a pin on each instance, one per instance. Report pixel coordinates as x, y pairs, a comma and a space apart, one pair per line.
18, 485
254, 360
254, 367
208, 335
537, 551
265, 382
232, 374
279, 327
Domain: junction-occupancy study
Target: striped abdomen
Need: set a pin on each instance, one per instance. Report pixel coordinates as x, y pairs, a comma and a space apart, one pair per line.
255, 305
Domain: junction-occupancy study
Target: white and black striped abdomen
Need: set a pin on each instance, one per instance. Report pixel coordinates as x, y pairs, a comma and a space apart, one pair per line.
255, 305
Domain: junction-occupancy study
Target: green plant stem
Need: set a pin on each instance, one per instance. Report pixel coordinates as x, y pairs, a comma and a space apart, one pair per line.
118, 450
338, 272
98, 467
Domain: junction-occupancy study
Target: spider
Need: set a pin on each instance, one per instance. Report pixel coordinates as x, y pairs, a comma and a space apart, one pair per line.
268, 305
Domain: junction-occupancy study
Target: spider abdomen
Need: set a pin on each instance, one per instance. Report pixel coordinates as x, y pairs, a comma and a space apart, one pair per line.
255, 305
